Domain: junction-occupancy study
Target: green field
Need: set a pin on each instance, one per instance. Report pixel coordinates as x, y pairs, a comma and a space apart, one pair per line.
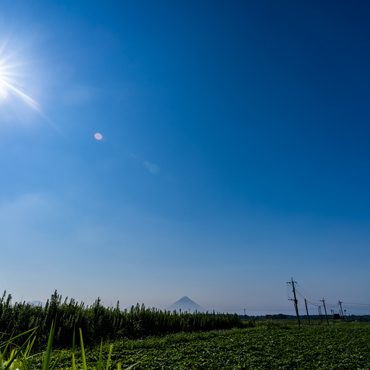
152, 339
269, 345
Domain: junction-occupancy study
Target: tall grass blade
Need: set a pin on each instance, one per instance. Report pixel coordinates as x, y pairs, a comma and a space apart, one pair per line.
18, 336
15, 354
83, 352
73, 362
56, 362
29, 348
109, 356
73, 337
49, 347
100, 355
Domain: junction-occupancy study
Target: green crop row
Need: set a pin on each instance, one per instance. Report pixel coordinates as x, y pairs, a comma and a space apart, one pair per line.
98, 322
341, 347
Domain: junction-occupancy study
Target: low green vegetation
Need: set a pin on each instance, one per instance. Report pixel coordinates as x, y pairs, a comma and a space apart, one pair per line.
263, 346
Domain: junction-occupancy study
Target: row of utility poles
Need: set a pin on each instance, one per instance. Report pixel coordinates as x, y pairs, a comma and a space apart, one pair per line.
295, 300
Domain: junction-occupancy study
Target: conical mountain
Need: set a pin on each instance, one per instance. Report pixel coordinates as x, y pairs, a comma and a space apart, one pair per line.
185, 304
37, 303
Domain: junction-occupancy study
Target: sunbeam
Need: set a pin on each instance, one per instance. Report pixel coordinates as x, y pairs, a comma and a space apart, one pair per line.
13, 85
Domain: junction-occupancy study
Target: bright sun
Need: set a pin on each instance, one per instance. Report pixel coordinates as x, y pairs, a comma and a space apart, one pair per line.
10, 78
13, 87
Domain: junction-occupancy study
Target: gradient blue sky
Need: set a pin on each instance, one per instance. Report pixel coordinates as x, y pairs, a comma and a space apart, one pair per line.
235, 151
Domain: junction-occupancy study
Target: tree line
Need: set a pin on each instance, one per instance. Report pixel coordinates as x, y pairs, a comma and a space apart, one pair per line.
98, 322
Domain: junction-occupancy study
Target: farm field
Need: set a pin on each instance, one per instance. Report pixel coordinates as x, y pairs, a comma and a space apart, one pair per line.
266, 346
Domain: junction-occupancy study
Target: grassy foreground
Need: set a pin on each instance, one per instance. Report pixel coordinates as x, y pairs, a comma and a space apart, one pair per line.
271, 346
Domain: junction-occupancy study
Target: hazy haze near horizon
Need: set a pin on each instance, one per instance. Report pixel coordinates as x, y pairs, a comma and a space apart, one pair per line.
234, 151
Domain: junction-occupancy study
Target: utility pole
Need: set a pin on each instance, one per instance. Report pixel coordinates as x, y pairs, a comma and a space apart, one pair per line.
341, 310
320, 314
245, 316
308, 316
326, 315
295, 300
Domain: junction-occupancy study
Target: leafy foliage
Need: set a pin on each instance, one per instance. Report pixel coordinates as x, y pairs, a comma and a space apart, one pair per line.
21, 360
344, 346
98, 322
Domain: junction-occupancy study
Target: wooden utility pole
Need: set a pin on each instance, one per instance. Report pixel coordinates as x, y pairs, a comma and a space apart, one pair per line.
295, 300
308, 316
341, 310
319, 308
326, 315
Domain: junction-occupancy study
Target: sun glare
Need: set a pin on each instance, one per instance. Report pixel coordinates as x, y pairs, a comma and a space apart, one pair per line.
3, 90
11, 79
14, 86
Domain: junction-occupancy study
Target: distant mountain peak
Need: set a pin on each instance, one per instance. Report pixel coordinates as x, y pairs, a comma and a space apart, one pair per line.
185, 304
185, 298
36, 303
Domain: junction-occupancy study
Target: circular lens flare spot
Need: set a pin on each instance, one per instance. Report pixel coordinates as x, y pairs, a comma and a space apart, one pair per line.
98, 136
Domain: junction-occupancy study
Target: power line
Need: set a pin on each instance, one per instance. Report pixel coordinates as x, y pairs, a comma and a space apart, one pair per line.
308, 294
358, 304
313, 304
299, 290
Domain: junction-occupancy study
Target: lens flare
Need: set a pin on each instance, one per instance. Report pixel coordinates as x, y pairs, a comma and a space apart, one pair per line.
98, 136
10, 78
13, 86
153, 168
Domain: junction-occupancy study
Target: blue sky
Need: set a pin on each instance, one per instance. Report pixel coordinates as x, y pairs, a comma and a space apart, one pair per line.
235, 151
